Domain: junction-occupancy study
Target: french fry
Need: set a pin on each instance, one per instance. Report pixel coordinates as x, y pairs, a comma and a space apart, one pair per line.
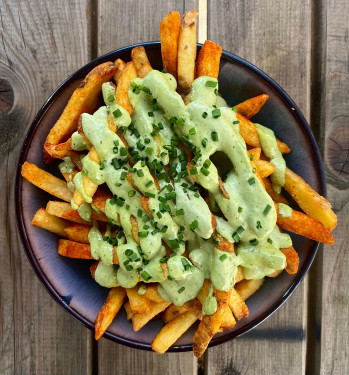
228, 321
140, 320
239, 275
89, 187
194, 306
246, 288
57, 208
187, 52
61, 150
152, 294
83, 100
251, 107
238, 306
309, 200
129, 312
265, 168
99, 199
140, 59
292, 260
279, 198
169, 34
108, 312
49, 222
127, 75
134, 229
46, 181
305, 226
208, 60
120, 65
172, 312
172, 331
77, 232
139, 303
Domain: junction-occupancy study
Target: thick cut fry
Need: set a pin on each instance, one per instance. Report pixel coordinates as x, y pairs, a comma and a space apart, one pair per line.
279, 198
83, 100
305, 226
134, 229
120, 65
107, 313
309, 200
57, 208
248, 287
61, 150
210, 324
228, 321
195, 307
99, 199
140, 320
169, 34
140, 59
73, 215
238, 306
46, 181
77, 232
129, 312
139, 303
292, 260
208, 60
89, 187
152, 293
172, 331
265, 168
127, 75
251, 107
187, 52
51, 223
172, 312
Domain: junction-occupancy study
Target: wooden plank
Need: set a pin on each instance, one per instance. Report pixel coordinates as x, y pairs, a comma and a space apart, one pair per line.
142, 22
275, 36
334, 74
37, 52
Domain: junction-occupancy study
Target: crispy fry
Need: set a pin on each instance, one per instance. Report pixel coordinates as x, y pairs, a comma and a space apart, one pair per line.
292, 260
265, 168
172, 331
127, 75
89, 187
279, 198
152, 294
228, 321
120, 65
305, 226
139, 303
107, 313
309, 200
61, 150
99, 199
77, 232
46, 181
140, 59
238, 306
129, 312
248, 287
169, 34
140, 320
83, 100
73, 215
57, 208
172, 312
51, 223
251, 107
134, 229
187, 52
208, 60
195, 307
224, 245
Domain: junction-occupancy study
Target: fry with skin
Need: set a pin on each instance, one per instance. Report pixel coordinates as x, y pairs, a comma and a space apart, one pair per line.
127, 75
292, 260
251, 107
120, 65
309, 200
139, 303
208, 60
246, 288
140, 59
169, 34
108, 312
54, 224
187, 52
305, 226
46, 181
152, 294
172, 312
194, 306
238, 306
172, 331
140, 320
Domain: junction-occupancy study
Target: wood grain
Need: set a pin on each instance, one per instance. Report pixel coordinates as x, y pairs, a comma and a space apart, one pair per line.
335, 141
37, 52
275, 36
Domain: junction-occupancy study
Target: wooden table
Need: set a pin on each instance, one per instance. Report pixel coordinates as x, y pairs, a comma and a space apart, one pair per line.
303, 45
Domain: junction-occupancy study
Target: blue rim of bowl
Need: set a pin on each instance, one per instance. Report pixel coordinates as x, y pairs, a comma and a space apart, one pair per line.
30, 254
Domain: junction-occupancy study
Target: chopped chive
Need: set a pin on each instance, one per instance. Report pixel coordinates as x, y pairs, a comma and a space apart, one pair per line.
204, 142
102, 166
149, 150
174, 244
216, 113
180, 290
115, 163
120, 201
204, 114
259, 225
194, 225
251, 157
158, 214
180, 121
254, 242
111, 98
236, 122
140, 173
223, 257
117, 113
118, 184
267, 209
163, 260
123, 175
180, 212
251, 181
150, 182
149, 195
128, 267
123, 151
164, 229
171, 278
171, 195
234, 109
145, 218
127, 207
204, 171
116, 142
270, 240
236, 237
211, 84
192, 131
145, 276
240, 210
207, 163
193, 170
214, 136
240, 229
143, 234
150, 114
196, 195
139, 213
146, 140
140, 145
216, 92
115, 150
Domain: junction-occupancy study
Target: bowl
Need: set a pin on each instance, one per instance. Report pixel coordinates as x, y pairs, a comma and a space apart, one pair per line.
69, 281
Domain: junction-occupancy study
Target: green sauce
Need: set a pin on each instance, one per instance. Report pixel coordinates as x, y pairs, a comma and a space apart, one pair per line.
106, 275
285, 210
209, 306
85, 211
100, 249
78, 143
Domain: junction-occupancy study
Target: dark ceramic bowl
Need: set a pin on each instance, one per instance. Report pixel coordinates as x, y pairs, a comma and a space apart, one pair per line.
69, 281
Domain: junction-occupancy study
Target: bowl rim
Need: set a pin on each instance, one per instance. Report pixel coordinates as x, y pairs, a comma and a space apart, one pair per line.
29, 251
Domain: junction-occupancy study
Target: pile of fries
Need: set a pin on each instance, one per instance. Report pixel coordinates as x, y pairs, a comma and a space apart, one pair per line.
178, 47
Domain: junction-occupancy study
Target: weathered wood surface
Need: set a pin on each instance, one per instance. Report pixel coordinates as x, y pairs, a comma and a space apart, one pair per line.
42, 42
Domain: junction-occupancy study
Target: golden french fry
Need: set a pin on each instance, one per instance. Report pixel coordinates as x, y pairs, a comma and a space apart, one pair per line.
224, 245
187, 52
238, 306
83, 100
140, 320
134, 229
248, 287
309, 200
120, 65
172, 312
127, 75
265, 168
239, 275
172, 331
140, 59
46, 181
129, 312
292, 260
251, 107
207, 63
99, 199
279, 198
139, 303
152, 293
194, 306
49, 222
305, 226
77, 232
228, 321
169, 34
61, 150
108, 312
